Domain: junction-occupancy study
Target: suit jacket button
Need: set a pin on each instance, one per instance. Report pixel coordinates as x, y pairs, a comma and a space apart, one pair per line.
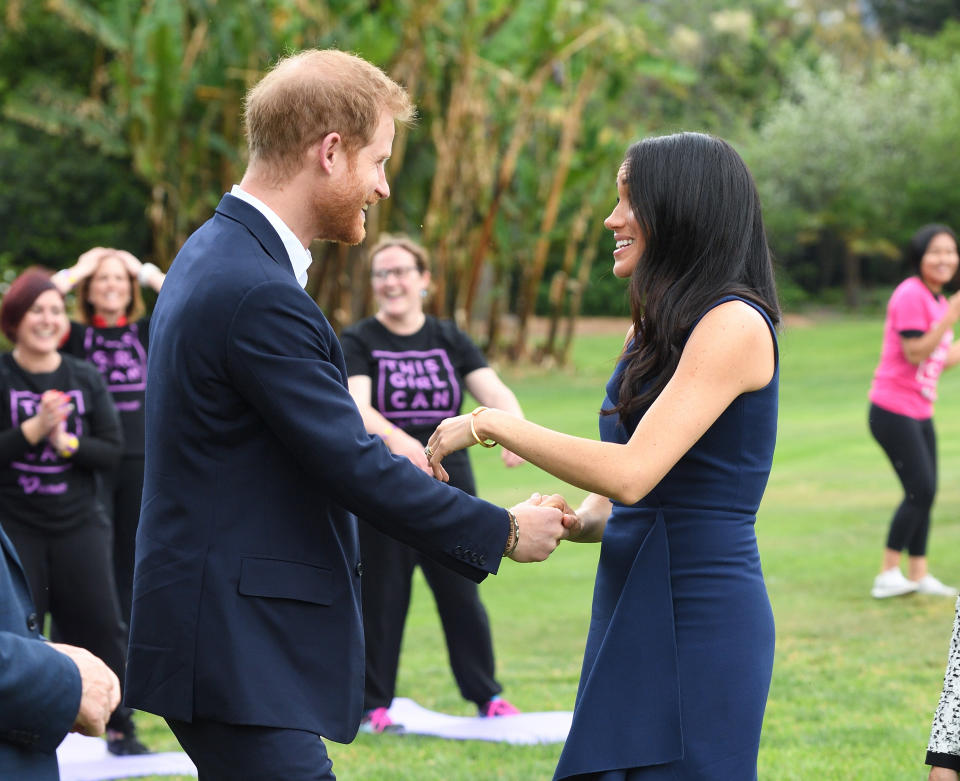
482, 560
458, 551
33, 623
359, 568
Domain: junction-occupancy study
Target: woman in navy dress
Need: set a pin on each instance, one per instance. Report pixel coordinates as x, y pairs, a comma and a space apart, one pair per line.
679, 653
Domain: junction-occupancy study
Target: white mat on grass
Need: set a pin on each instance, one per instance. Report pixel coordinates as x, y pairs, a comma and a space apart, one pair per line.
524, 728
87, 759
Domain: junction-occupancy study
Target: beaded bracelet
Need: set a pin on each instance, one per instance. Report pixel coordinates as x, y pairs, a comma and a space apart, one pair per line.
515, 529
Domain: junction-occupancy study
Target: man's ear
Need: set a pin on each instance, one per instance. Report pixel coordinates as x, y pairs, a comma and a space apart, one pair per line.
326, 151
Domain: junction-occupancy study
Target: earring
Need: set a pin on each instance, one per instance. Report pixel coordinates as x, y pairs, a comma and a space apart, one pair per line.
423, 293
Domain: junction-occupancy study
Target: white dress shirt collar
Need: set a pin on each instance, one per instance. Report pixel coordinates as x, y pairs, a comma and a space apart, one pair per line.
300, 257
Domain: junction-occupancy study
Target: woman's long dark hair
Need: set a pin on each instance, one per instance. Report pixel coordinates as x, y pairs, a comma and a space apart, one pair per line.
699, 214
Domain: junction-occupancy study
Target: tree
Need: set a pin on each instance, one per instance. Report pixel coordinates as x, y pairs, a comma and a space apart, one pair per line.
835, 161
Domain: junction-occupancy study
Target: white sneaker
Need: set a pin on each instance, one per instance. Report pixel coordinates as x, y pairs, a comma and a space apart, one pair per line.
930, 585
892, 583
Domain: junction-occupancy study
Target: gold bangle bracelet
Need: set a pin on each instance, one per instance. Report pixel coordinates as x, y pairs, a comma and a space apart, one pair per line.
473, 430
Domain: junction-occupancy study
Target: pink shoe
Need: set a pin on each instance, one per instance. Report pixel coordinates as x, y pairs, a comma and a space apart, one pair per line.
497, 707
378, 721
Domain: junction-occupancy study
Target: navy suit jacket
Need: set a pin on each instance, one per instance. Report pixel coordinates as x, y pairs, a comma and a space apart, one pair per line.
246, 589
39, 687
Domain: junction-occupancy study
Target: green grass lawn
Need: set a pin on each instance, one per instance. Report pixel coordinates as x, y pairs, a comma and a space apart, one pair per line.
855, 680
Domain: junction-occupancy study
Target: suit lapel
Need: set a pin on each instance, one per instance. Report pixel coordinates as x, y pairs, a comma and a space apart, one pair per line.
240, 211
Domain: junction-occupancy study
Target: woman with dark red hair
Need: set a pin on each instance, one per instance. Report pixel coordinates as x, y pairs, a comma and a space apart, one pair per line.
58, 427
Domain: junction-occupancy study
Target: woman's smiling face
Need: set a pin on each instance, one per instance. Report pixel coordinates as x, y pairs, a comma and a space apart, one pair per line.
626, 230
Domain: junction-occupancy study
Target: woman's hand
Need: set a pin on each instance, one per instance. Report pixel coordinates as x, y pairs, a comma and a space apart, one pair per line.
130, 261
59, 438
953, 308
87, 263
510, 459
942, 774
55, 407
451, 435
402, 444
571, 522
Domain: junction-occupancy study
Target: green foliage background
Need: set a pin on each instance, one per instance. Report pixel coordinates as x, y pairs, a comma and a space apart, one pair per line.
119, 123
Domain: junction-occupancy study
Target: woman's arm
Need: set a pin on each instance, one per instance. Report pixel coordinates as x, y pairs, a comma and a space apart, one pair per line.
396, 439
916, 349
68, 278
729, 353
487, 388
593, 514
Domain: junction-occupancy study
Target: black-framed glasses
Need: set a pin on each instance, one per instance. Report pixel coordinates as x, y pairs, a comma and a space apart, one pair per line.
401, 272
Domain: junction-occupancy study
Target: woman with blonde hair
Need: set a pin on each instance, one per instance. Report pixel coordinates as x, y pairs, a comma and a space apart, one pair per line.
111, 332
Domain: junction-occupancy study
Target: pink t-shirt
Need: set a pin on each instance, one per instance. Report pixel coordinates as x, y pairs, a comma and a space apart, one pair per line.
898, 385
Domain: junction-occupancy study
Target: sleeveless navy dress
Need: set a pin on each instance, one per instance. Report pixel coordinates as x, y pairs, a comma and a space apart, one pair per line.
679, 653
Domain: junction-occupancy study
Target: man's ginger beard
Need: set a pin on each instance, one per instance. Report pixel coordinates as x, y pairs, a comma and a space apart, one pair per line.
339, 215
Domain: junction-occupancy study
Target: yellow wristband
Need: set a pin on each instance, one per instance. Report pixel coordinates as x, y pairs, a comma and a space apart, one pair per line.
473, 430
70, 447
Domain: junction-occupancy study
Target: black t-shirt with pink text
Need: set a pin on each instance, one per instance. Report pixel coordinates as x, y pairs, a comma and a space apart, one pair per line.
119, 354
38, 486
416, 380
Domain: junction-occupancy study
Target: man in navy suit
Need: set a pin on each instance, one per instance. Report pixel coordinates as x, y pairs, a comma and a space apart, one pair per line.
46, 689
246, 631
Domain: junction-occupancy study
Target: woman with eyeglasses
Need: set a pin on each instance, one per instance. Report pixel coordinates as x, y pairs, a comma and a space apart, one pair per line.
407, 371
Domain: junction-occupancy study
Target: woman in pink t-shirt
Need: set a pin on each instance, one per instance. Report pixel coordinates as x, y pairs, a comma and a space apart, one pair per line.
917, 346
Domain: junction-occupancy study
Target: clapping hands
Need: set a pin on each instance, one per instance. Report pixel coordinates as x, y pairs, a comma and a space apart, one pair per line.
55, 407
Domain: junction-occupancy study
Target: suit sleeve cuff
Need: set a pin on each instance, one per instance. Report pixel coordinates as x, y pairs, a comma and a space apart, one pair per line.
949, 761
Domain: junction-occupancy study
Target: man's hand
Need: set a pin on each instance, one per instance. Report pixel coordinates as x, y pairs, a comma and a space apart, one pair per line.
100, 692
571, 523
541, 529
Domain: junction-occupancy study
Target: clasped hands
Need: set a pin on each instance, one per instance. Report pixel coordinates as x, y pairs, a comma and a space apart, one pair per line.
50, 420
544, 521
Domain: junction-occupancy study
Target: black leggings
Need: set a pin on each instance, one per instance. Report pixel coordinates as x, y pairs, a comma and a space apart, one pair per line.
388, 567
120, 492
911, 446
